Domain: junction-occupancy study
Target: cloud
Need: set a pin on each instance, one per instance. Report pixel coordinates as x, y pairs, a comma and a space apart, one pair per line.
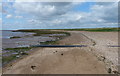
0, 20
101, 15
106, 11
62, 0
44, 9
9, 16
61, 15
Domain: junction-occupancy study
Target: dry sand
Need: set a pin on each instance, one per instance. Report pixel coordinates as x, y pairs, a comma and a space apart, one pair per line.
77, 60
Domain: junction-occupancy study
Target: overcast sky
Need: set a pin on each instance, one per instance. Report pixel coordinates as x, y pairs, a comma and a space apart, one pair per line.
58, 15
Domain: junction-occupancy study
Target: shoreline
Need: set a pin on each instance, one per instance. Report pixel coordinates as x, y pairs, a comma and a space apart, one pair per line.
88, 41
31, 47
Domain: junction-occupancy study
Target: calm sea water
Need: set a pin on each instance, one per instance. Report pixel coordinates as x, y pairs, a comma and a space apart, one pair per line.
8, 34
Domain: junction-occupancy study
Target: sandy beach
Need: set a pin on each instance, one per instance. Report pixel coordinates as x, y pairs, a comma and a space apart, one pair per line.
97, 58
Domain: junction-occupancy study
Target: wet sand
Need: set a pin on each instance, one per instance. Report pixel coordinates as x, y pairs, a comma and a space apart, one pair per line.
76, 60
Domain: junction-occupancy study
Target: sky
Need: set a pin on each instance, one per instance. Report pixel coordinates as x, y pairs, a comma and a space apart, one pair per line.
58, 15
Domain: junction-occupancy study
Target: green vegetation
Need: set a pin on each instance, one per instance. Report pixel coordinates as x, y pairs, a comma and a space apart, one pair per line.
95, 29
19, 52
14, 37
39, 32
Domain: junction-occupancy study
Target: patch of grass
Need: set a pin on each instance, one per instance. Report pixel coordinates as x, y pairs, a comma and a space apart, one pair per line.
95, 29
14, 37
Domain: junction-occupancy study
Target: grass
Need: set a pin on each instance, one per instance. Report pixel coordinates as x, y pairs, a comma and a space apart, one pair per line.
95, 29
14, 37
39, 32
49, 31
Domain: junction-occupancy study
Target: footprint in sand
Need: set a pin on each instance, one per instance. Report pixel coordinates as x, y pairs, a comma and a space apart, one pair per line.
33, 67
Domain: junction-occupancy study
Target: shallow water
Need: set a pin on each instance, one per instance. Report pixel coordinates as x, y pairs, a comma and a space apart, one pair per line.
26, 40
9, 33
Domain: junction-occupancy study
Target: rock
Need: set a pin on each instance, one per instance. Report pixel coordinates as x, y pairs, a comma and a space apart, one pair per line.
17, 56
21, 52
62, 54
24, 53
103, 58
116, 72
109, 70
